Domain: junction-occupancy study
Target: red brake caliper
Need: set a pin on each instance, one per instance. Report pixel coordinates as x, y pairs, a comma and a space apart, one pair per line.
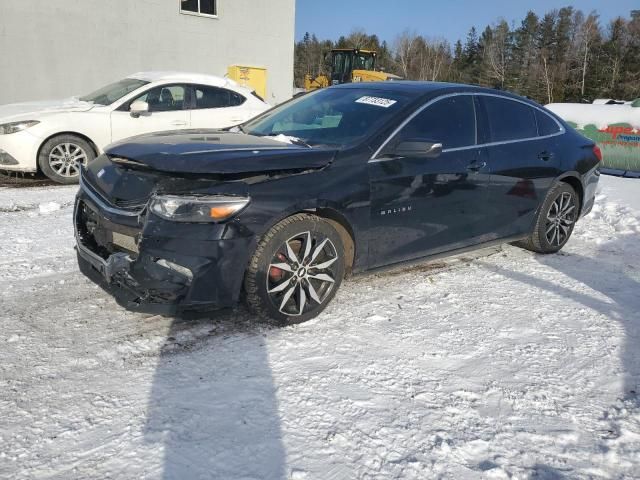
276, 273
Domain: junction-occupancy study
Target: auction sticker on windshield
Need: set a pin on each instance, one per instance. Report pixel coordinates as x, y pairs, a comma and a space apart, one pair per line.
377, 101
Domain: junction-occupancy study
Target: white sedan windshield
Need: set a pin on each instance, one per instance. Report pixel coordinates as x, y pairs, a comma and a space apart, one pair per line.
113, 92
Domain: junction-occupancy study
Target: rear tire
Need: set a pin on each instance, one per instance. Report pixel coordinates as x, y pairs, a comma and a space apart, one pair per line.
555, 221
295, 271
61, 158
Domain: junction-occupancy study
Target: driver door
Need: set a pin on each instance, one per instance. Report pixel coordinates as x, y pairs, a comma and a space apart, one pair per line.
423, 206
169, 109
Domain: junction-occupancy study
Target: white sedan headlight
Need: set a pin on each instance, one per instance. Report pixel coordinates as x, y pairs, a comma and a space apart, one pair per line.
14, 127
197, 209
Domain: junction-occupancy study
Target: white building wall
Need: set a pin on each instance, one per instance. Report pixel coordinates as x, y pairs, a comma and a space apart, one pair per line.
59, 48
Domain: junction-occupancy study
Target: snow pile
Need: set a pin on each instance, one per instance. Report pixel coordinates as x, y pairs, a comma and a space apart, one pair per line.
599, 115
49, 207
621, 191
18, 110
43, 199
511, 365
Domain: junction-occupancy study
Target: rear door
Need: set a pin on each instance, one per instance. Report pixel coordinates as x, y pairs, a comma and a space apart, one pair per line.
422, 206
523, 158
215, 107
168, 110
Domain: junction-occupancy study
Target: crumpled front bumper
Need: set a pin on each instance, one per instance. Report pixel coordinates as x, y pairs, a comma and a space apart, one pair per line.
178, 267
157, 290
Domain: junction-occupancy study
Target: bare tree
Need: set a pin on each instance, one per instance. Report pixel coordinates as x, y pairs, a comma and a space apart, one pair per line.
588, 32
548, 79
405, 48
496, 53
358, 38
434, 56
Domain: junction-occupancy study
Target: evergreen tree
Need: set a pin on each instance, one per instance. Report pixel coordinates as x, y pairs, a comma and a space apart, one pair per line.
471, 58
523, 62
563, 56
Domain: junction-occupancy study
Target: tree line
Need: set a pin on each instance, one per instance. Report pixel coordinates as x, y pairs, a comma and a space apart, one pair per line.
563, 56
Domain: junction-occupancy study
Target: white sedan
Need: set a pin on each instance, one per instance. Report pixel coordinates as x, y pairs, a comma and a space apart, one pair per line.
56, 137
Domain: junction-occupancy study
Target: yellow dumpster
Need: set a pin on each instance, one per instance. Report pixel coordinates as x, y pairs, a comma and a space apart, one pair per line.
254, 78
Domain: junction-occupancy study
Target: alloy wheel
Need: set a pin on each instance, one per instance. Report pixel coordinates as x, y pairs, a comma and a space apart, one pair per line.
65, 159
560, 219
302, 273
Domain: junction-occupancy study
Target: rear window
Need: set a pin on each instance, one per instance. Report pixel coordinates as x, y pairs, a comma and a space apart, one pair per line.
546, 124
213, 97
509, 119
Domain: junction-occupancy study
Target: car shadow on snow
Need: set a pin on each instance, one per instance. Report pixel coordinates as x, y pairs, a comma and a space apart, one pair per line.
212, 407
614, 275
616, 279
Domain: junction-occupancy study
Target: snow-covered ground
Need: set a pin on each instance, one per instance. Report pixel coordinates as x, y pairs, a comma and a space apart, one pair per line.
511, 365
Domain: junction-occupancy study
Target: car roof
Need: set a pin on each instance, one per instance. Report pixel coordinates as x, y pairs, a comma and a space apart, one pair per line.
422, 88
175, 76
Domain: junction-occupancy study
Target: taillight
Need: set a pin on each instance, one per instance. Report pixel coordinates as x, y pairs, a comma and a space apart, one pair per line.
597, 152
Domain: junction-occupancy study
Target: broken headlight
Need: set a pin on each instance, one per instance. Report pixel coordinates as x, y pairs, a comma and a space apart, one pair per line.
197, 209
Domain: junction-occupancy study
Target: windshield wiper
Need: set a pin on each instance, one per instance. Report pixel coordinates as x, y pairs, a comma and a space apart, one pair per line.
301, 142
234, 129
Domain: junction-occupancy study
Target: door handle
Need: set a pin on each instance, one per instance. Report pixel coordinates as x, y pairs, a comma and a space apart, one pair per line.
476, 166
546, 156
237, 119
178, 123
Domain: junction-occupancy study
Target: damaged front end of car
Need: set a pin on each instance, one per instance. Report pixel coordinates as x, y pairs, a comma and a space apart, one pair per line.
169, 235
109, 254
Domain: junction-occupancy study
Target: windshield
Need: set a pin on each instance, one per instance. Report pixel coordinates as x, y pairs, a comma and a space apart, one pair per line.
341, 62
364, 61
331, 116
109, 94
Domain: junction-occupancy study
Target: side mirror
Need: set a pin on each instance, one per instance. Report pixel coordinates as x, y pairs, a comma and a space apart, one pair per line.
138, 107
417, 149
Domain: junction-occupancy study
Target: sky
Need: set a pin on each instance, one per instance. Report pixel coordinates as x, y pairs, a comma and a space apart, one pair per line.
450, 20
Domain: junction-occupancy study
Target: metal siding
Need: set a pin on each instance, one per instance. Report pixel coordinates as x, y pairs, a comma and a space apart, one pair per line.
71, 47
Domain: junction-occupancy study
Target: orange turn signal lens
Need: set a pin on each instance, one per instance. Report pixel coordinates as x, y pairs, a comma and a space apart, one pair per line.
223, 211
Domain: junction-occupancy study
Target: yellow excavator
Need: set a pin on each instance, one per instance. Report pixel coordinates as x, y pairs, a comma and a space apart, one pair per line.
349, 65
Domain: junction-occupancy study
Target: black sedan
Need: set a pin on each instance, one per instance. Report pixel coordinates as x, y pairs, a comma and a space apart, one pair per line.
345, 180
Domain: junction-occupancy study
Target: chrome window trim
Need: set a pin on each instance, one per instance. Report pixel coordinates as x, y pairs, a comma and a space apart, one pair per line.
561, 131
102, 204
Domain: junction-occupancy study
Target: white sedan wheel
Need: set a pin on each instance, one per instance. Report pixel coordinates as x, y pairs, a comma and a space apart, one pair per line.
62, 157
66, 159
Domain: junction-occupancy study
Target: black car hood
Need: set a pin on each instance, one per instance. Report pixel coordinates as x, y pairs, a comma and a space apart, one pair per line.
216, 152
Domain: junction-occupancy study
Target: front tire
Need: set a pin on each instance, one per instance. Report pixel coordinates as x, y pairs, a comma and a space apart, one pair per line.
61, 158
555, 221
295, 271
